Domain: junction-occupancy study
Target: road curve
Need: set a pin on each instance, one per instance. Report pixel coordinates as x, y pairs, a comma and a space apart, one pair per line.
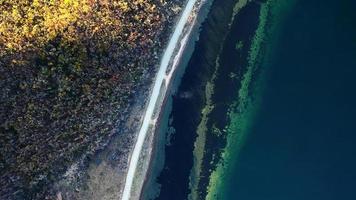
154, 96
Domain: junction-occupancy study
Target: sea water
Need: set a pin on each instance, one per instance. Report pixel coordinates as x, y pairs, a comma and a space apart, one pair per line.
302, 140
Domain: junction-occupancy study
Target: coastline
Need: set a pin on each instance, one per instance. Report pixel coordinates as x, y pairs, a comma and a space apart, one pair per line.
172, 63
151, 138
155, 132
148, 191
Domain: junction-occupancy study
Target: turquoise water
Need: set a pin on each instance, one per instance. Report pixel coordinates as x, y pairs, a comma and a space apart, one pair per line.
301, 144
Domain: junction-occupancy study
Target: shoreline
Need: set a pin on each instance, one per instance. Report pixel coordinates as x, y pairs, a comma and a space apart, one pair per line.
188, 48
169, 61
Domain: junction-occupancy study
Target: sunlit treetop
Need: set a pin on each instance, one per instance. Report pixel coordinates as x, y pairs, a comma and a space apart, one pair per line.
32, 23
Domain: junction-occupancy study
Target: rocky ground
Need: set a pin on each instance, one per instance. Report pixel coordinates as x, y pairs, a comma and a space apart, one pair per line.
73, 77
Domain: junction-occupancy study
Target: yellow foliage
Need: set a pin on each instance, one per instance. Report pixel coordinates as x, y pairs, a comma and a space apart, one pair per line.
33, 23
23, 21
123, 5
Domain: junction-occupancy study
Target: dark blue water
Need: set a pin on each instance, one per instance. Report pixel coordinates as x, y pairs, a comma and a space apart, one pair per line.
303, 142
